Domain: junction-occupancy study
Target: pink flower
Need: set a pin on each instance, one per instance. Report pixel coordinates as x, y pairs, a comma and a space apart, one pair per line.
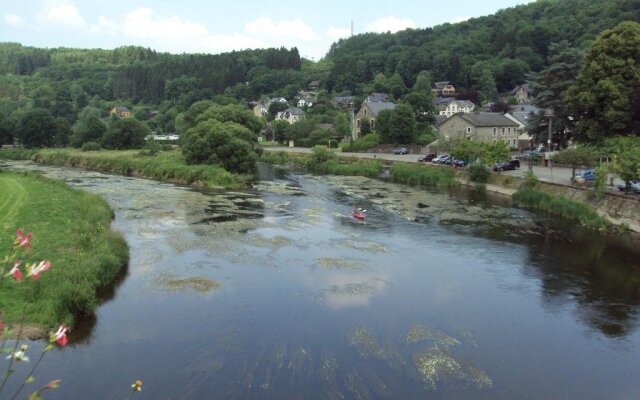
41, 267
61, 335
15, 271
22, 241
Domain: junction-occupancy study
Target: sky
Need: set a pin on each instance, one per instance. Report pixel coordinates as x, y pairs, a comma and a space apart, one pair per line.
209, 26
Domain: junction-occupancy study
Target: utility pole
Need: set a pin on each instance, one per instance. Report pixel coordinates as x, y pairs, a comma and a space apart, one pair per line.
549, 114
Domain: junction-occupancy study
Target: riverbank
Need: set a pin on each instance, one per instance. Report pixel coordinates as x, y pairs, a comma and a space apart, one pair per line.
71, 229
166, 166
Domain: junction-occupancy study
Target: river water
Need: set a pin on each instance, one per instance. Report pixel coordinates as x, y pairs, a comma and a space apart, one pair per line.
277, 293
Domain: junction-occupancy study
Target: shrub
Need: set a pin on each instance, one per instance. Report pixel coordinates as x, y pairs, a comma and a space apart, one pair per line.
364, 143
90, 146
479, 172
530, 180
422, 175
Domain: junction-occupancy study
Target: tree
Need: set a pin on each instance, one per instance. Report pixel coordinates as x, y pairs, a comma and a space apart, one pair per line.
341, 124
576, 156
274, 108
125, 133
496, 152
214, 142
280, 129
365, 126
232, 113
625, 151
606, 96
62, 132
36, 128
397, 125
551, 85
88, 129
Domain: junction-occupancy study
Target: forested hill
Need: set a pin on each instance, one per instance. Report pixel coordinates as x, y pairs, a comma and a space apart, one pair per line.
507, 44
145, 75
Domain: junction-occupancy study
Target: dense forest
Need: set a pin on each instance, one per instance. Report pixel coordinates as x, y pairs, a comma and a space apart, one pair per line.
69, 92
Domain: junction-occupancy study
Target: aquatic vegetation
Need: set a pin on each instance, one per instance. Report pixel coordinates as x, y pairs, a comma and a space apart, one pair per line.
420, 333
278, 187
196, 283
439, 368
366, 343
337, 263
275, 242
367, 246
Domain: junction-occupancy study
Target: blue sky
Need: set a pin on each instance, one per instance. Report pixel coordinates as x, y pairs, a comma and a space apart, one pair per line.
206, 26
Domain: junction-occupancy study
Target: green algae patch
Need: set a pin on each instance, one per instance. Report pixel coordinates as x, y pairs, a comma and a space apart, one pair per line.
195, 283
338, 263
420, 333
366, 343
365, 246
439, 368
275, 242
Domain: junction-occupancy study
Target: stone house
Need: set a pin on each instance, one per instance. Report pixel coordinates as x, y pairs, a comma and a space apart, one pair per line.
522, 93
291, 115
453, 106
344, 101
120, 111
443, 88
369, 111
481, 127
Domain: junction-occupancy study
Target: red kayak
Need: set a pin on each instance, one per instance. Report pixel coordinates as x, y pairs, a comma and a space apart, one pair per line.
359, 215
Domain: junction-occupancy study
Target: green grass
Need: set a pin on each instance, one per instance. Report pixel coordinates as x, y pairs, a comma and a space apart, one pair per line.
70, 228
415, 174
166, 166
17, 154
561, 206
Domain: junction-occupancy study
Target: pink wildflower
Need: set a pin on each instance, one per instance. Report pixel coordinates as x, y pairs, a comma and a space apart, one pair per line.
15, 271
41, 267
61, 335
22, 241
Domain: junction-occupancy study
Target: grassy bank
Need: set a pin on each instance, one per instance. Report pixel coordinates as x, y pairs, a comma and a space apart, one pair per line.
416, 174
71, 229
168, 166
561, 206
17, 154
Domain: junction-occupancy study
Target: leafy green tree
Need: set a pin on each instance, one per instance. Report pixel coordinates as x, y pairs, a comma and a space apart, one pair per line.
423, 83
496, 152
43, 96
606, 95
7, 122
36, 128
125, 133
213, 142
62, 132
625, 151
88, 129
280, 129
397, 125
577, 156
467, 150
423, 107
274, 108
232, 113
341, 124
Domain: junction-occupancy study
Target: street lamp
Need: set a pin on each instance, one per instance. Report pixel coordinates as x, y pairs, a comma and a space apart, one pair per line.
548, 113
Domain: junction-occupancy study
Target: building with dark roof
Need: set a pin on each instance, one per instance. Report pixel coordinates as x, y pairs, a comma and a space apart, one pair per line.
369, 111
481, 127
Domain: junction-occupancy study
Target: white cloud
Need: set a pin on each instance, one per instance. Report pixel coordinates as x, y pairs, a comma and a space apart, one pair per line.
337, 33
142, 23
14, 20
460, 19
61, 13
390, 24
296, 28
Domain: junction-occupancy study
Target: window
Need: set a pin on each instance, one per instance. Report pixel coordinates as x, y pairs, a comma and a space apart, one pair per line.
495, 132
364, 111
509, 131
358, 123
372, 122
468, 129
502, 131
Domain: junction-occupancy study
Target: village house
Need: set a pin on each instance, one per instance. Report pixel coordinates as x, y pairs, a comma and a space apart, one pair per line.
291, 115
261, 109
343, 101
522, 93
448, 106
443, 89
306, 99
377, 97
480, 127
313, 86
120, 111
369, 111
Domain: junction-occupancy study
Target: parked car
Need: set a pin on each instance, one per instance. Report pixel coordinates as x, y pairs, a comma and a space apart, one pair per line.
635, 187
585, 176
506, 165
460, 163
427, 158
445, 159
439, 158
400, 150
528, 154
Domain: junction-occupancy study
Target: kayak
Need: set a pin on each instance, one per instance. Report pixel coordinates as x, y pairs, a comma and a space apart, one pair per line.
359, 215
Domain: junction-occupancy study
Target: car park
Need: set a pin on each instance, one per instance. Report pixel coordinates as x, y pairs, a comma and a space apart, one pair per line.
506, 165
427, 157
400, 150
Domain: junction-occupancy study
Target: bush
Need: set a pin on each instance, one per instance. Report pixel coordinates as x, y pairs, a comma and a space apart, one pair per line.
530, 180
479, 172
151, 148
364, 143
90, 146
422, 175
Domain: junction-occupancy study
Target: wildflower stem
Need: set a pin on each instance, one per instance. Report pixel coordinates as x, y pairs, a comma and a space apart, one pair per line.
15, 346
30, 373
130, 394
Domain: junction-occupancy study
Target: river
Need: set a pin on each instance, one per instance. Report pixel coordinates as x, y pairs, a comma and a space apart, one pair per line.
277, 293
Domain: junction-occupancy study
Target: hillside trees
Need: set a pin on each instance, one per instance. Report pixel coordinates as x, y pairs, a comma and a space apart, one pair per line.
36, 128
124, 133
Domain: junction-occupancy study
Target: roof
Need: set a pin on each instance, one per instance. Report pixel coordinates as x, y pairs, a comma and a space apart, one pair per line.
486, 119
524, 87
440, 119
440, 85
523, 117
526, 108
442, 100
314, 83
377, 97
378, 106
121, 108
294, 111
